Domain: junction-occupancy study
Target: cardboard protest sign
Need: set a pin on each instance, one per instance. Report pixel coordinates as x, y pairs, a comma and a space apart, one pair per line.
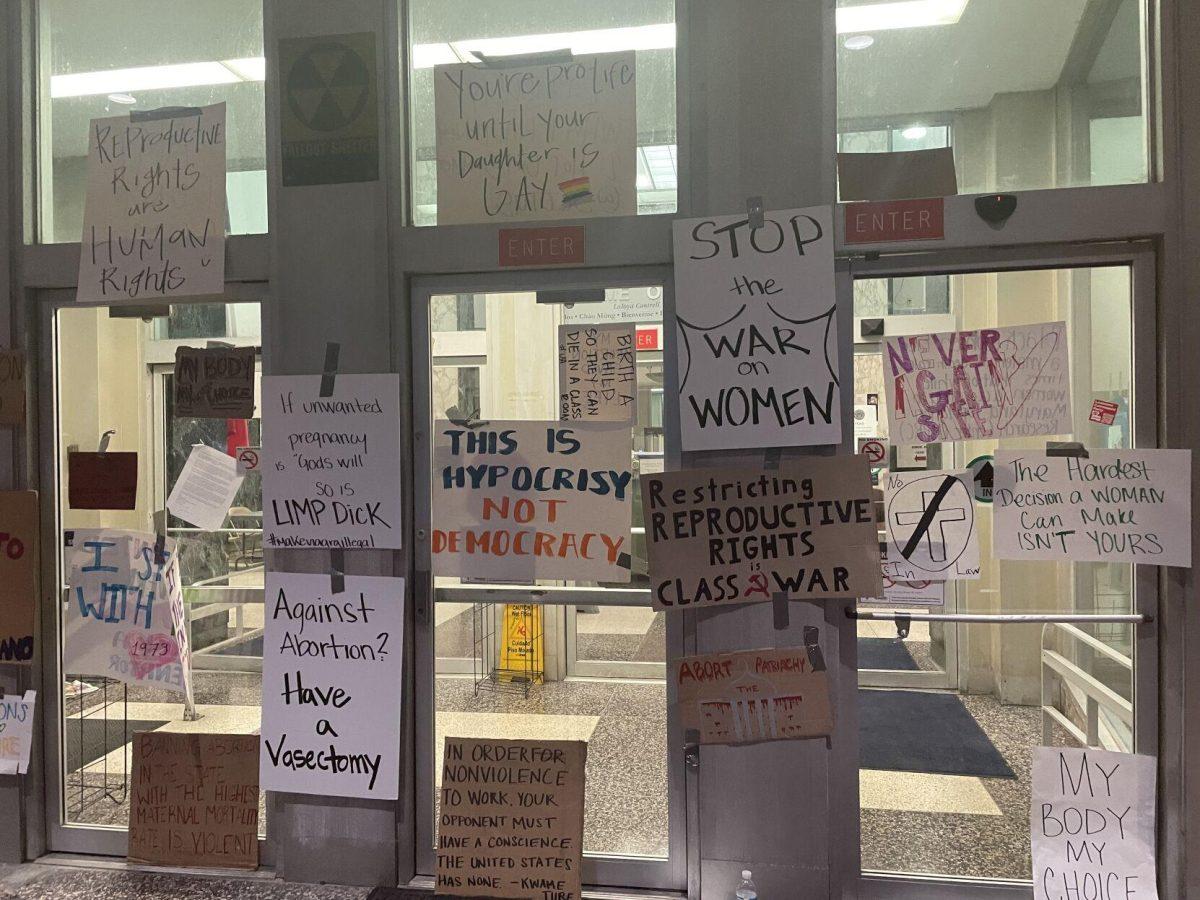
932, 533
102, 480
194, 800
597, 373
12, 387
552, 140
1115, 506
805, 530
979, 384
522, 501
753, 695
217, 382
511, 821
332, 669
16, 732
125, 617
205, 488
1091, 820
757, 336
19, 558
331, 465
154, 218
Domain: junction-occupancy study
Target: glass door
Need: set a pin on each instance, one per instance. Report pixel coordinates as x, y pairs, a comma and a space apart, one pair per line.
557, 660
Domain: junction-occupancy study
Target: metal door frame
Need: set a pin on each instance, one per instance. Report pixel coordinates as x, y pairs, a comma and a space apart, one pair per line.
614, 871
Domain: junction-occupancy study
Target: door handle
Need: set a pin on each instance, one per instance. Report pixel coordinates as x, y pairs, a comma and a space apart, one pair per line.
1011, 618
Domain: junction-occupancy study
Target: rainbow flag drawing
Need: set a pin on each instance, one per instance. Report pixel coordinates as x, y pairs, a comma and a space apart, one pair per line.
576, 191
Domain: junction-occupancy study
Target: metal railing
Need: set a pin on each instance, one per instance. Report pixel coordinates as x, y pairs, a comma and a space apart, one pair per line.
1097, 696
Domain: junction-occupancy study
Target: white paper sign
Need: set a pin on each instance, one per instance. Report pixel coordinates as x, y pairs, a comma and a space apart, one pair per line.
1091, 821
757, 334
1115, 506
907, 593
930, 523
205, 488
125, 616
979, 384
332, 672
522, 501
331, 465
154, 221
16, 732
555, 140
597, 373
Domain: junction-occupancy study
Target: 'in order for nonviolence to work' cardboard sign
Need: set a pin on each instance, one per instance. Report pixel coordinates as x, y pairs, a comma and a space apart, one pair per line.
597, 373
805, 531
19, 529
194, 800
511, 819
214, 382
754, 695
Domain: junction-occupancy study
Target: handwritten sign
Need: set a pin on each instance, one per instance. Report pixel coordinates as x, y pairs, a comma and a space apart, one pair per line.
1091, 821
205, 488
522, 501
154, 219
932, 534
547, 141
125, 616
753, 695
1115, 506
332, 667
979, 384
217, 382
331, 465
194, 800
19, 531
16, 732
102, 480
805, 530
511, 820
597, 373
12, 387
757, 336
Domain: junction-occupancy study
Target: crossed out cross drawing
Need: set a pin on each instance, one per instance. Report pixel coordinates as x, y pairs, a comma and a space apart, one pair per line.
929, 524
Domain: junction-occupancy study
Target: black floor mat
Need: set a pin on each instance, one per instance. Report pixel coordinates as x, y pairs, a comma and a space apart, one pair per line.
886, 654
922, 731
94, 745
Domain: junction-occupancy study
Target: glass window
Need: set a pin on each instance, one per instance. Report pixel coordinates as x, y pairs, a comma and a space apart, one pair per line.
106, 59
1029, 94
447, 31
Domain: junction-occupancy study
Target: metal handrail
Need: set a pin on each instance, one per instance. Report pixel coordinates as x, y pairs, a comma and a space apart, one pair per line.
1012, 618
1096, 693
518, 593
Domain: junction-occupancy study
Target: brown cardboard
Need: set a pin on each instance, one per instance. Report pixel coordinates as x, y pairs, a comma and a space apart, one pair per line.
194, 800
899, 175
102, 480
754, 695
12, 387
805, 530
597, 373
19, 532
214, 383
484, 784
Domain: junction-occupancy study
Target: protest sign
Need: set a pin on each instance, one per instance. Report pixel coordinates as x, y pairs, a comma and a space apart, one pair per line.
331, 465
205, 488
16, 732
978, 384
1091, 820
932, 533
511, 819
194, 800
19, 558
552, 140
753, 695
102, 480
216, 383
332, 666
125, 617
1114, 506
154, 217
597, 373
522, 501
805, 530
757, 336
12, 387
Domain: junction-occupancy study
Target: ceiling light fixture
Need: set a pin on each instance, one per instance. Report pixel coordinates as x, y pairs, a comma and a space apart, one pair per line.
904, 14
914, 132
123, 99
858, 42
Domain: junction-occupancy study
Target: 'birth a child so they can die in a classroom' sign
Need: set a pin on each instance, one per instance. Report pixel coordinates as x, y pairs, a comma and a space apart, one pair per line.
331, 464
597, 373
550, 140
524, 501
154, 218
758, 362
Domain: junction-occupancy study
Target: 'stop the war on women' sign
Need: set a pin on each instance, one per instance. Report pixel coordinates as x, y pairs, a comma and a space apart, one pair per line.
757, 336
154, 219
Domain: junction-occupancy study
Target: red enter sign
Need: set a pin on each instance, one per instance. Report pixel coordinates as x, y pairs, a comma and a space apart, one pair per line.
558, 246
896, 220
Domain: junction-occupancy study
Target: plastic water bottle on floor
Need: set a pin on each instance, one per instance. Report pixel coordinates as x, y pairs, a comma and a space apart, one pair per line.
746, 889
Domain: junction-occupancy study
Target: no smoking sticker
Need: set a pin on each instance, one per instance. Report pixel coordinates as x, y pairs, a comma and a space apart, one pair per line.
874, 450
248, 459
